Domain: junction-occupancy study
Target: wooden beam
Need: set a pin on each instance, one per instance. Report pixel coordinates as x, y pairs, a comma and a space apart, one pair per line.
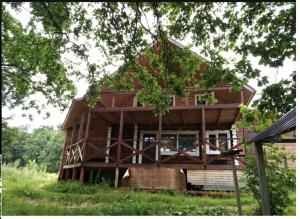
151, 108
68, 166
262, 179
169, 165
236, 186
203, 137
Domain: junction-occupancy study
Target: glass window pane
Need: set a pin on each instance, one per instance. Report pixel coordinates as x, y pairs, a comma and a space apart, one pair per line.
169, 141
223, 142
212, 140
185, 141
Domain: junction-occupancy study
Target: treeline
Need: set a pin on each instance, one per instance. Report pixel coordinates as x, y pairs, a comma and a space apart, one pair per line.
42, 145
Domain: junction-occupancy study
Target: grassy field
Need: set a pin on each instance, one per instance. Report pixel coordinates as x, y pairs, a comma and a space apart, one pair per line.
28, 192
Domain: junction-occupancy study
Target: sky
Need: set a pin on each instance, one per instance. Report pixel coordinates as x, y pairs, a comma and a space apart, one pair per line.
57, 117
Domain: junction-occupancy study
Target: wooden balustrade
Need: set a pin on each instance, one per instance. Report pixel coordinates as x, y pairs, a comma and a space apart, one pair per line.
75, 151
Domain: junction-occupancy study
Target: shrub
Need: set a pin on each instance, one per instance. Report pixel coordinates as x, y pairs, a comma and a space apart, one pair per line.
281, 180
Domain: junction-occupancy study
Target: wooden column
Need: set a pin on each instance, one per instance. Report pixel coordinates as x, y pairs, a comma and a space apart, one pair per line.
85, 146
236, 186
68, 173
242, 96
135, 132
119, 148
82, 175
108, 143
74, 173
203, 138
159, 138
120, 136
72, 142
262, 179
117, 177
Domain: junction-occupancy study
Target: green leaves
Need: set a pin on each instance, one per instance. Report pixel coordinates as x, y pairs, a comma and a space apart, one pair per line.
123, 31
278, 98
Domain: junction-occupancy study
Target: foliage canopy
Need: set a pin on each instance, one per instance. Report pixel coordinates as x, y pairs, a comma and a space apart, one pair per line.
227, 34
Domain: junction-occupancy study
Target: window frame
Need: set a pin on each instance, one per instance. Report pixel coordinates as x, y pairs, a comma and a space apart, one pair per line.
174, 100
217, 132
195, 100
178, 132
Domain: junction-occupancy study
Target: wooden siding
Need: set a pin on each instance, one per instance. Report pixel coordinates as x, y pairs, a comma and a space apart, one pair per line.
214, 179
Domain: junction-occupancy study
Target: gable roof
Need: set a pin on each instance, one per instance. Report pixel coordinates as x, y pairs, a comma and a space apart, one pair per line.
283, 125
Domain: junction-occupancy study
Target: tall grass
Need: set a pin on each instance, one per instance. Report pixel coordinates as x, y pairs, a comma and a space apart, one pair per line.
31, 192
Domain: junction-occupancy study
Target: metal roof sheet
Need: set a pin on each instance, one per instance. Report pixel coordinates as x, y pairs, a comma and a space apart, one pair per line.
285, 124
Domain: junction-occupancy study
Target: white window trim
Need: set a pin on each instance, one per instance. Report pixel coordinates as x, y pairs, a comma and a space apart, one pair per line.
190, 132
174, 100
196, 97
217, 132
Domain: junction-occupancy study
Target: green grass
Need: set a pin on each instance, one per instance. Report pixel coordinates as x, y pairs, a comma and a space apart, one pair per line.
27, 192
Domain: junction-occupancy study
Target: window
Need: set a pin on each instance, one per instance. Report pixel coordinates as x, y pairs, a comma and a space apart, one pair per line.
136, 102
197, 101
172, 100
180, 140
220, 139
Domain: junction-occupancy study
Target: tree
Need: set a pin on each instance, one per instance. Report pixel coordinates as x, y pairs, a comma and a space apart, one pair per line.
281, 179
123, 30
43, 146
278, 98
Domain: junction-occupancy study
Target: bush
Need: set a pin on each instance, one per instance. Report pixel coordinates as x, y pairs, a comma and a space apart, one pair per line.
281, 180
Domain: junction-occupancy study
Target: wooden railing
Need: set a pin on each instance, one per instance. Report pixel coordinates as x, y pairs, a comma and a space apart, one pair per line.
101, 150
74, 152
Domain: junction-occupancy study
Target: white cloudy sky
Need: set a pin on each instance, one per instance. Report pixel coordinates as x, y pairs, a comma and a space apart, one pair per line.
57, 117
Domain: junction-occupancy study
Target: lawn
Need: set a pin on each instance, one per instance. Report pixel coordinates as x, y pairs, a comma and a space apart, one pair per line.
28, 192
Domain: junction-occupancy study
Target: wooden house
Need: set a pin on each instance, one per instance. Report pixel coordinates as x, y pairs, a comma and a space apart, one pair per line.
119, 133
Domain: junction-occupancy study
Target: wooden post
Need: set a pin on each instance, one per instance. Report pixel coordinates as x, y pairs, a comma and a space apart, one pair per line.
113, 101
108, 143
117, 178
120, 137
236, 186
262, 179
134, 141
67, 174
203, 137
74, 173
82, 175
159, 138
85, 146
242, 96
